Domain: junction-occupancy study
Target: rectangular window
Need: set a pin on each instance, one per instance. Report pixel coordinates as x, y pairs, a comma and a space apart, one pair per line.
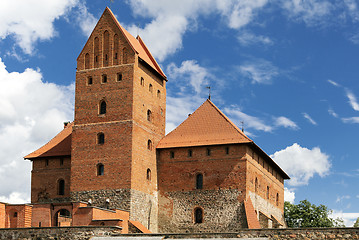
89, 81
208, 152
172, 154
227, 150
104, 78
189, 153
119, 77
61, 161
47, 162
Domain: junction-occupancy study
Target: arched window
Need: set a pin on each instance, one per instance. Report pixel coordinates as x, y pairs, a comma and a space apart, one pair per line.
199, 181
124, 56
104, 78
267, 192
149, 115
61, 187
102, 107
149, 144
87, 61
158, 93
119, 77
256, 185
100, 138
142, 81
106, 47
198, 215
115, 49
277, 199
148, 175
150, 87
96, 51
100, 169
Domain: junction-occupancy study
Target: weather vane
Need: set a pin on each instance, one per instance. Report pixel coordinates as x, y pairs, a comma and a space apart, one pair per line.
242, 123
209, 92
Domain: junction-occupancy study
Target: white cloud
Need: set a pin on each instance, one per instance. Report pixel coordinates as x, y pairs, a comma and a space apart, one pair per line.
84, 19
341, 198
16, 198
172, 19
31, 112
301, 164
309, 118
349, 218
190, 72
351, 120
352, 100
334, 83
259, 71
331, 112
289, 195
285, 122
247, 38
311, 12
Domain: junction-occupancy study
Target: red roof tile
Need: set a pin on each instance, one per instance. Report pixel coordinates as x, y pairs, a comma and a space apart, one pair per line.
206, 126
60, 145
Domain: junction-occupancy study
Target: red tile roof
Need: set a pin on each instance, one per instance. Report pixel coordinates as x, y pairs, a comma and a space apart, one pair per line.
252, 220
206, 126
60, 145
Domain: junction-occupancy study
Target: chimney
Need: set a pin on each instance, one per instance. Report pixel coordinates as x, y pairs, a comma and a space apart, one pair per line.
65, 124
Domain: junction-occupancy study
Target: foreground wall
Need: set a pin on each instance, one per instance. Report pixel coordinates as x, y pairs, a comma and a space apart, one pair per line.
84, 233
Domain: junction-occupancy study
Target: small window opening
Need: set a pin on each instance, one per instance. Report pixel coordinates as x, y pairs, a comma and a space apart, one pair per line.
39, 224
61, 161
227, 150
142, 81
47, 162
148, 175
115, 55
61, 187
172, 154
198, 215
15, 214
102, 224
149, 144
267, 192
158, 93
89, 81
208, 152
104, 78
277, 199
256, 185
100, 138
100, 169
102, 107
96, 59
119, 77
199, 181
106, 57
149, 115
150, 88
190, 153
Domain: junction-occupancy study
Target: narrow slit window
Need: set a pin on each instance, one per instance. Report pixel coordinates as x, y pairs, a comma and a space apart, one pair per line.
227, 150
208, 152
190, 153
103, 107
119, 77
267, 192
150, 88
149, 144
159, 94
198, 215
148, 174
100, 169
100, 138
199, 181
61, 187
104, 78
172, 154
89, 81
142, 81
149, 115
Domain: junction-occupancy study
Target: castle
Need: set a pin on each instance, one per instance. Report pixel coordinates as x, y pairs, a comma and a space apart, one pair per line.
113, 165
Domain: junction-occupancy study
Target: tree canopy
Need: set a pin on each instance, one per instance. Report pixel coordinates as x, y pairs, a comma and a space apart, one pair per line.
356, 224
306, 214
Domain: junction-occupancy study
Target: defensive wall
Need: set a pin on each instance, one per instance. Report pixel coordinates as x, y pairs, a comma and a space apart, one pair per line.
113, 233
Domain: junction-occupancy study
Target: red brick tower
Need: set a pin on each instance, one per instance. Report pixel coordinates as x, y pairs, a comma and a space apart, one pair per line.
120, 107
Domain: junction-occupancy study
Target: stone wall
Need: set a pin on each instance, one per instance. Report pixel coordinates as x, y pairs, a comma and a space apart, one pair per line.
85, 233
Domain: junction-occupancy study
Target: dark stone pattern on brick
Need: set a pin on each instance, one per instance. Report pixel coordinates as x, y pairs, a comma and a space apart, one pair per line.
222, 212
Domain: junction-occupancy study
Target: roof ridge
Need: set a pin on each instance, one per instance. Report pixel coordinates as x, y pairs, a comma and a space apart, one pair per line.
228, 120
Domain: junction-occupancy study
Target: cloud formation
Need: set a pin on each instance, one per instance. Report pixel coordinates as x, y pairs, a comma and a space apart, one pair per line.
301, 163
309, 118
259, 71
289, 195
285, 122
31, 113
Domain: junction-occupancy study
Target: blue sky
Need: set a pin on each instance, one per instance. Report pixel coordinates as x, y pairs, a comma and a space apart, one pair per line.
288, 69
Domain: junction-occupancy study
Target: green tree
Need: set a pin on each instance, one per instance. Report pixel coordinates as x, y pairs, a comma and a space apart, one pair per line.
306, 214
356, 224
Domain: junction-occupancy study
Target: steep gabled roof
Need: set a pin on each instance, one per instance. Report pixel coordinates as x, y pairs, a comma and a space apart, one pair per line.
136, 44
206, 126
60, 145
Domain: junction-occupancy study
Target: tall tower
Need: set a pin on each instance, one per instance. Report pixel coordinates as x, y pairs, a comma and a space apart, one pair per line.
120, 107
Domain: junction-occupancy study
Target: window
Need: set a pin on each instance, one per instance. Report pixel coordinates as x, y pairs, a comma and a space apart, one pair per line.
199, 181
102, 107
61, 161
142, 81
172, 154
267, 192
189, 153
47, 162
150, 88
277, 199
149, 115
100, 169
198, 215
148, 175
158, 93
96, 51
119, 77
227, 150
15, 214
256, 185
208, 152
149, 144
124, 55
100, 138
87, 61
61, 187
115, 55
106, 47
89, 81
104, 78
